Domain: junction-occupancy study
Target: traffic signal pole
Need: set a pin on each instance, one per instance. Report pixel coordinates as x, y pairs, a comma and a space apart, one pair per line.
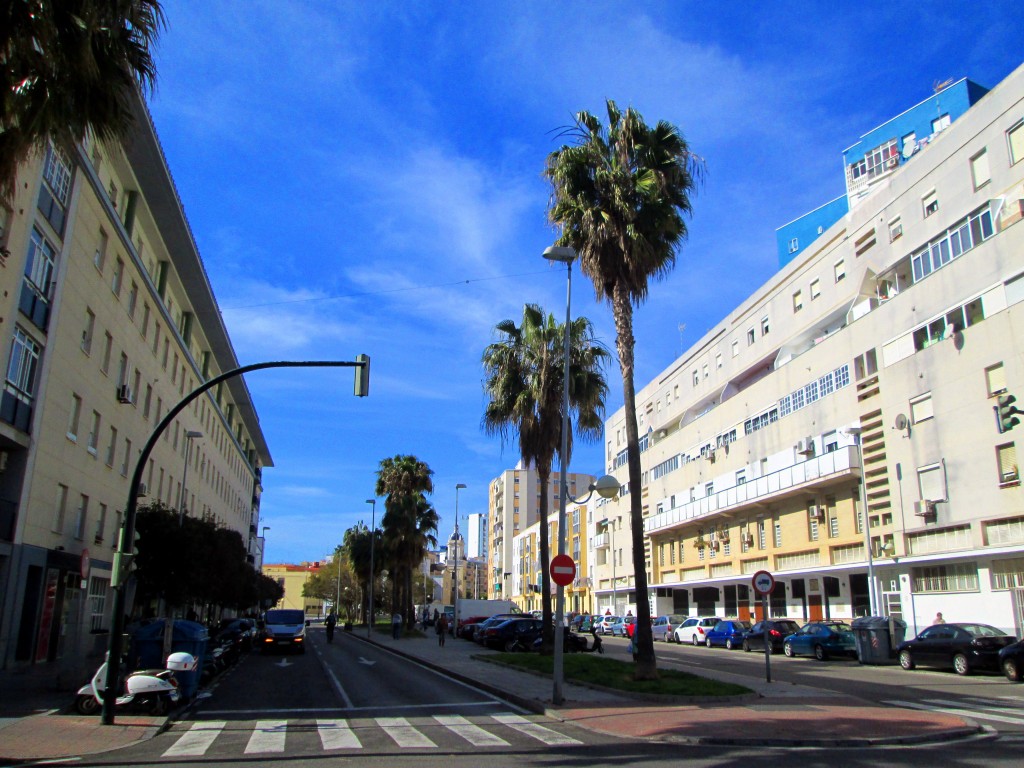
127, 539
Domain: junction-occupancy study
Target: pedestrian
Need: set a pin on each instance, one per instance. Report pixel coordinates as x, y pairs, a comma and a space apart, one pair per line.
939, 619
329, 624
441, 627
396, 625
629, 613
607, 611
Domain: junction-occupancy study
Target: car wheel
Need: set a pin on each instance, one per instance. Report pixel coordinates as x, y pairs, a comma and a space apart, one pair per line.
510, 646
694, 640
1012, 671
819, 653
788, 648
86, 704
707, 642
746, 646
728, 644
961, 665
906, 660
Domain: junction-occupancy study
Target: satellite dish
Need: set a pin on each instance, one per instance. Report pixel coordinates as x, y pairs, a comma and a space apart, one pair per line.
909, 148
901, 422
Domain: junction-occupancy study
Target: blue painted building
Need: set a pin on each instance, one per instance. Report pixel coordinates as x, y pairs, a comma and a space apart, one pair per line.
875, 156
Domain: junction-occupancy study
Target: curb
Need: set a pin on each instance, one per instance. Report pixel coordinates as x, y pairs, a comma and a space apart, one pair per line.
940, 737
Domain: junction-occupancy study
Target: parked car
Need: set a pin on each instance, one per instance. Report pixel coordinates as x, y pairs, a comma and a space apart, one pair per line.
663, 626
1011, 661
964, 647
625, 627
603, 624
776, 630
465, 628
821, 639
511, 634
585, 623
728, 633
491, 621
694, 629
616, 627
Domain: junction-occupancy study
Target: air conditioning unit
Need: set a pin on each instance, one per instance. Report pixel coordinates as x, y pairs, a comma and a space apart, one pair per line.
711, 455
143, 491
715, 545
816, 512
805, 447
124, 394
924, 508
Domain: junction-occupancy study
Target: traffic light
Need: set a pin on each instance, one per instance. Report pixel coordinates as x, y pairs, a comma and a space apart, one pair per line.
125, 562
362, 385
1006, 413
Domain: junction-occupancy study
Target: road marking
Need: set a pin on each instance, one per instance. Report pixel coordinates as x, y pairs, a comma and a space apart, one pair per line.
367, 662
955, 710
268, 736
336, 734
474, 734
196, 740
307, 710
539, 732
283, 663
403, 734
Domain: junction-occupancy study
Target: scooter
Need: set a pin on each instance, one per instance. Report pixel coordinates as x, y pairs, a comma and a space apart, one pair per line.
150, 690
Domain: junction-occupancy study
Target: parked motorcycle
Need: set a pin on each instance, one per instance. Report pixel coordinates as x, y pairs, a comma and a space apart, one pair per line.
149, 690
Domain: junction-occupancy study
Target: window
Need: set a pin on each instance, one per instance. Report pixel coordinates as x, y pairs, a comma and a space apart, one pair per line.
133, 298
115, 282
980, 174
840, 269
53, 196
21, 369
94, 433
1008, 574
97, 602
100, 257
39, 265
111, 446
127, 457
90, 325
778, 535
148, 401
995, 380
1006, 460
709, 489
761, 544
874, 163
718, 360
921, 408
930, 203
101, 524
1015, 138
735, 349
931, 481
895, 229
81, 516
940, 123
696, 377
956, 577
765, 326
108, 347
815, 288
750, 336
958, 239
704, 370
798, 301
794, 245
61, 509
833, 527
123, 370
741, 476
145, 319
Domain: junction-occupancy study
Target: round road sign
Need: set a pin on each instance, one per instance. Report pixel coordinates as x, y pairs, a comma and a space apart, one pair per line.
563, 570
763, 583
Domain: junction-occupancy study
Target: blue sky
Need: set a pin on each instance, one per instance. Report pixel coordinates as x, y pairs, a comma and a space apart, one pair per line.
366, 178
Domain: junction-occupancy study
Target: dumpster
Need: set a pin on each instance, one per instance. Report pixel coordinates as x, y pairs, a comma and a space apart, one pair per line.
187, 636
877, 638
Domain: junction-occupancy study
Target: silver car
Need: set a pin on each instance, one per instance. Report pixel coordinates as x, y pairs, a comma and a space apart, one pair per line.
663, 626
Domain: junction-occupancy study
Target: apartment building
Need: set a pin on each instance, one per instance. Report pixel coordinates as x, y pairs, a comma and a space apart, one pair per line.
513, 501
839, 429
292, 579
109, 321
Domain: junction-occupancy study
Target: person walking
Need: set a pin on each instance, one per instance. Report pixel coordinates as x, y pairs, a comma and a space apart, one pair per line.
396, 625
939, 619
441, 627
329, 624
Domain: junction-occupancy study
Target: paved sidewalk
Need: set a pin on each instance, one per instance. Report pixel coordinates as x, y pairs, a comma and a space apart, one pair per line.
31, 727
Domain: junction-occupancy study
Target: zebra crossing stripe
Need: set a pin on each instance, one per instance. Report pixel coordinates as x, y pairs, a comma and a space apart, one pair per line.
268, 736
336, 734
539, 732
196, 740
955, 710
403, 734
474, 734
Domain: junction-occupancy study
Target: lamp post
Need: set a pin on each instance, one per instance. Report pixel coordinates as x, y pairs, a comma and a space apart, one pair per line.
607, 523
373, 542
263, 545
183, 495
856, 432
455, 606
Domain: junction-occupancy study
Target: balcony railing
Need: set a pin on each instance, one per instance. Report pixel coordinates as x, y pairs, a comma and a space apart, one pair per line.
600, 541
814, 471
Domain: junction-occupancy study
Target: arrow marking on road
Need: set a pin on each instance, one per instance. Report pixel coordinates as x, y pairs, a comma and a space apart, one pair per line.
367, 662
283, 663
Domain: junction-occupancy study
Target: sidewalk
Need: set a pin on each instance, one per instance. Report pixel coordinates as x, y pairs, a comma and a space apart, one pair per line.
775, 715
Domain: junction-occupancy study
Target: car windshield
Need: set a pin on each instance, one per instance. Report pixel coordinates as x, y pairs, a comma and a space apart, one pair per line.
285, 616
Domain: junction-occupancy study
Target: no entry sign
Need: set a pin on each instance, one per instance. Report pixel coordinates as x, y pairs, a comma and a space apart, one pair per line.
563, 570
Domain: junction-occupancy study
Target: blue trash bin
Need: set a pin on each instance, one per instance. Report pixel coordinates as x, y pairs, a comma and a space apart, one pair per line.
187, 636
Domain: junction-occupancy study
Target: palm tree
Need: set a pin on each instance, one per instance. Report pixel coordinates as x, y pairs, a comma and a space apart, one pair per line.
357, 545
70, 68
409, 523
524, 372
619, 195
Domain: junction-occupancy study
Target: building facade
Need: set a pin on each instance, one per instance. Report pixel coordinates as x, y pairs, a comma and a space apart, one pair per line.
293, 578
109, 321
839, 429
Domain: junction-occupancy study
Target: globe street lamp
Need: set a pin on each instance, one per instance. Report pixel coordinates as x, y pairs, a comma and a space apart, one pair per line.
183, 495
373, 542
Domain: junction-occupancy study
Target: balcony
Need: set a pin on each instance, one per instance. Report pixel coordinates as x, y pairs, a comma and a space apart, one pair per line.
814, 472
600, 541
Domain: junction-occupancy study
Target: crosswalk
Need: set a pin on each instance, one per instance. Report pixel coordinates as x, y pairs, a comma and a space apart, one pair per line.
268, 737
1007, 711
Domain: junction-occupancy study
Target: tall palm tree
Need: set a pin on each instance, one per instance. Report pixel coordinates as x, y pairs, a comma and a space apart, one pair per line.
524, 373
358, 544
620, 194
69, 68
409, 522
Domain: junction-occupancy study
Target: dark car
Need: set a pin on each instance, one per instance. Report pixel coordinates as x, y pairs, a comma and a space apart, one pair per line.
728, 633
1011, 661
480, 628
234, 637
964, 647
776, 630
468, 624
511, 634
822, 639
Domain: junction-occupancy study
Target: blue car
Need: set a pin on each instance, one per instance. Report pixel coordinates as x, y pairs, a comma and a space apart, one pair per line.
728, 633
821, 639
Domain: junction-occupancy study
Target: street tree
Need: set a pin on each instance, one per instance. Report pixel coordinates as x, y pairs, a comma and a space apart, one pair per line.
620, 196
523, 381
358, 546
335, 582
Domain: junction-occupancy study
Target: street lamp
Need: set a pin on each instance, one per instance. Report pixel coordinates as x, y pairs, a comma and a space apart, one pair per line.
373, 542
856, 432
263, 544
455, 606
183, 495
607, 523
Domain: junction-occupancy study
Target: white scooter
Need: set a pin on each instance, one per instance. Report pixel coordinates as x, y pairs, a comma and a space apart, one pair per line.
148, 690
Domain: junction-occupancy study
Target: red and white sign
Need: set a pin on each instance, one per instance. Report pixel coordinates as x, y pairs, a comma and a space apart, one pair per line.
563, 570
763, 583
84, 564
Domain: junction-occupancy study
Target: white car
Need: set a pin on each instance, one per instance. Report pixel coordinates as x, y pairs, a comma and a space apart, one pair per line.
603, 624
693, 629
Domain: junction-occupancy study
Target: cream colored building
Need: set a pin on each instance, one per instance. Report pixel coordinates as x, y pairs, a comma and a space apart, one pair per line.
108, 320
292, 579
870, 365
